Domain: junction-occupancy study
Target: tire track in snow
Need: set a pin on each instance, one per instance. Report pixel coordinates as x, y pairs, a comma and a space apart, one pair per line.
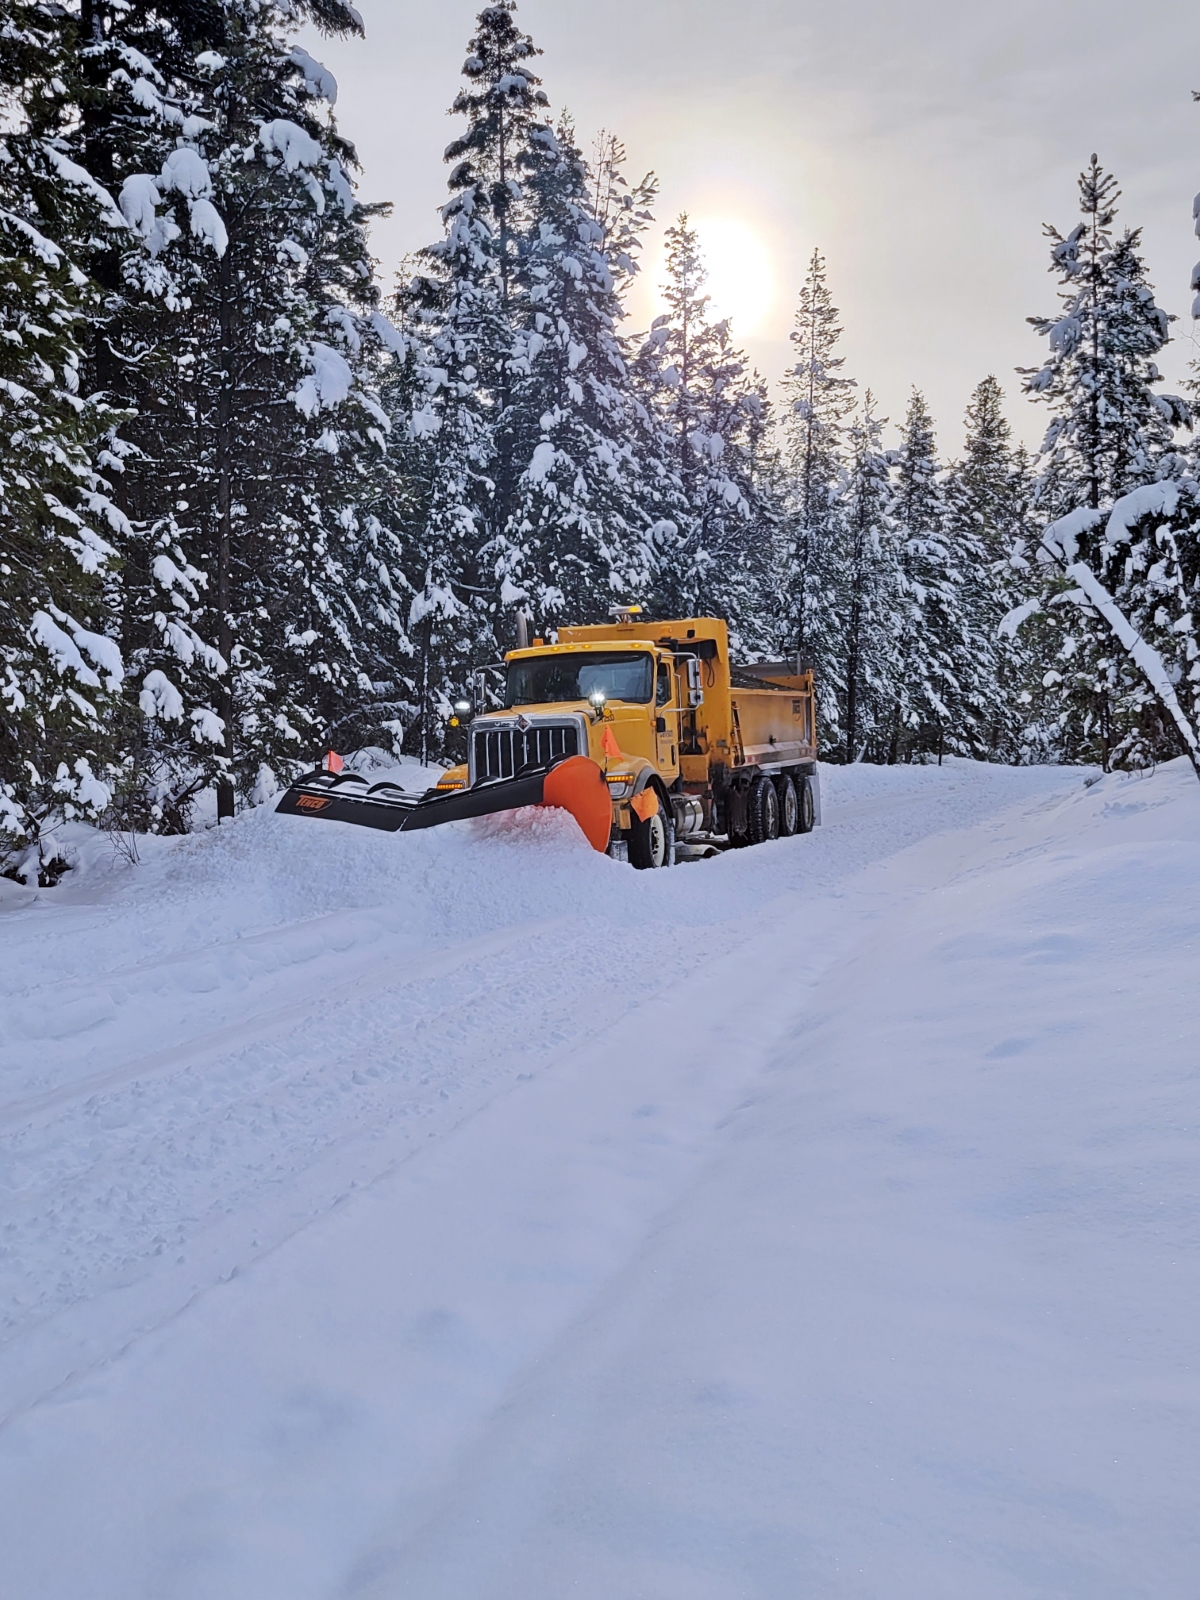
233, 1128
379, 978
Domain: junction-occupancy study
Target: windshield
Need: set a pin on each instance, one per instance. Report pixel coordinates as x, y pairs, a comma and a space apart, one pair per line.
540, 679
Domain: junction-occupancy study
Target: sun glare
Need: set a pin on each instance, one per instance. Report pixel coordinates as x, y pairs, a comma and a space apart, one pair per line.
740, 281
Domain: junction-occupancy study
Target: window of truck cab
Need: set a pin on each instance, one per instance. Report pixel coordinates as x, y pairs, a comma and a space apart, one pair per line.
663, 694
552, 679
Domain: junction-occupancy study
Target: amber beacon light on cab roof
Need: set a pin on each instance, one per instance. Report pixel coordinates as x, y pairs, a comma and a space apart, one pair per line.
659, 746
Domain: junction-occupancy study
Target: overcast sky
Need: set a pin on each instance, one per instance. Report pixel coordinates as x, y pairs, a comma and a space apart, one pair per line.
921, 144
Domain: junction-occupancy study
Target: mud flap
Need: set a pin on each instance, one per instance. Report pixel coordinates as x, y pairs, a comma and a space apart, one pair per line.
576, 784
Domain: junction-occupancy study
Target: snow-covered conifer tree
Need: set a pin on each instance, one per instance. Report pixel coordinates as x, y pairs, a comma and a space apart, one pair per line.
1120, 588
714, 410
464, 307
262, 582
1110, 430
578, 535
868, 589
540, 493
987, 510
945, 691
1111, 434
60, 666
819, 400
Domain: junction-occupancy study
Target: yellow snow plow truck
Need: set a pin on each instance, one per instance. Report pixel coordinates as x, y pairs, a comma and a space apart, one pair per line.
659, 746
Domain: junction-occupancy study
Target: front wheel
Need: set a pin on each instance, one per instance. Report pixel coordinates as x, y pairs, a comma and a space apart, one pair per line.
652, 843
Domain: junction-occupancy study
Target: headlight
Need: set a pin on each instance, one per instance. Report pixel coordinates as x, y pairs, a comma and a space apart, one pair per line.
620, 784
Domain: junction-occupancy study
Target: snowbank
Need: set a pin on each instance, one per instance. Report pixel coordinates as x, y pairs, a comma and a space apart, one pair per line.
467, 1215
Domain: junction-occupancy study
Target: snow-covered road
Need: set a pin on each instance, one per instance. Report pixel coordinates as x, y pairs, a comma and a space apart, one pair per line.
467, 1216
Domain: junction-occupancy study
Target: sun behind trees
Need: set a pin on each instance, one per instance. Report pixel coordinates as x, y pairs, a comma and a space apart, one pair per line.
255, 505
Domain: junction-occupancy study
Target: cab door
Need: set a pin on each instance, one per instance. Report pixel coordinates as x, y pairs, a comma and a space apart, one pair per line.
666, 720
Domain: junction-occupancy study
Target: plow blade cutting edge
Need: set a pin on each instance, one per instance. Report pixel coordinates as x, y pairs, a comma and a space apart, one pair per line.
576, 784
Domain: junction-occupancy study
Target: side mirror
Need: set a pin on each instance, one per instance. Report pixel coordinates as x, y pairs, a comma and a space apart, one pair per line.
695, 686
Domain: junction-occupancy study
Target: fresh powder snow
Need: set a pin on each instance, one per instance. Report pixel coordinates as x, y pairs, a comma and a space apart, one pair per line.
464, 1216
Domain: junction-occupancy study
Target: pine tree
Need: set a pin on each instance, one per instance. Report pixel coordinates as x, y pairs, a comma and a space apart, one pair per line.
1110, 430
1111, 433
919, 692
869, 590
547, 488
946, 687
819, 400
1114, 606
261, 583
623, 213
987, 500
1147, 553
465, 306
578, 536
714, 411
60, 667
1193, 384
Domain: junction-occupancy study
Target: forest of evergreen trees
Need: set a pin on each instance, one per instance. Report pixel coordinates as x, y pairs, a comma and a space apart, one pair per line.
254, 503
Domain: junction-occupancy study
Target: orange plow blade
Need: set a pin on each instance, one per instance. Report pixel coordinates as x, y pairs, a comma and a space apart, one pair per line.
577, 785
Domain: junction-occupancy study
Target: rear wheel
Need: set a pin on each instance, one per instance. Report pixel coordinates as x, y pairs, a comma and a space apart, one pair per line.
808, 810
789, 807
763, 812
652, 843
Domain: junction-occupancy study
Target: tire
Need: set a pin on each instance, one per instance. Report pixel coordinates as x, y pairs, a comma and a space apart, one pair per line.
652, 843
789, 807
808, 810
763, 812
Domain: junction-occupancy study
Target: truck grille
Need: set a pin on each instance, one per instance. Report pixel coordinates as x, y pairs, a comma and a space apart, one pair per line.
503, 752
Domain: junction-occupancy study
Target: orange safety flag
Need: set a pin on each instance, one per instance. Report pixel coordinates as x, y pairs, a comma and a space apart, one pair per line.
333, 762
645, 805
610, 746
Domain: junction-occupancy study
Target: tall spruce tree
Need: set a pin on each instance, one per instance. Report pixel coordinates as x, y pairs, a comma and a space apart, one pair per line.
545, 491
715, 412
868, 591
819, 399
1114, 606
578, 536
464, 307
988, 495
1110, 434
243, 331
1110, 430
946, 685
60, 667
1193, 385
